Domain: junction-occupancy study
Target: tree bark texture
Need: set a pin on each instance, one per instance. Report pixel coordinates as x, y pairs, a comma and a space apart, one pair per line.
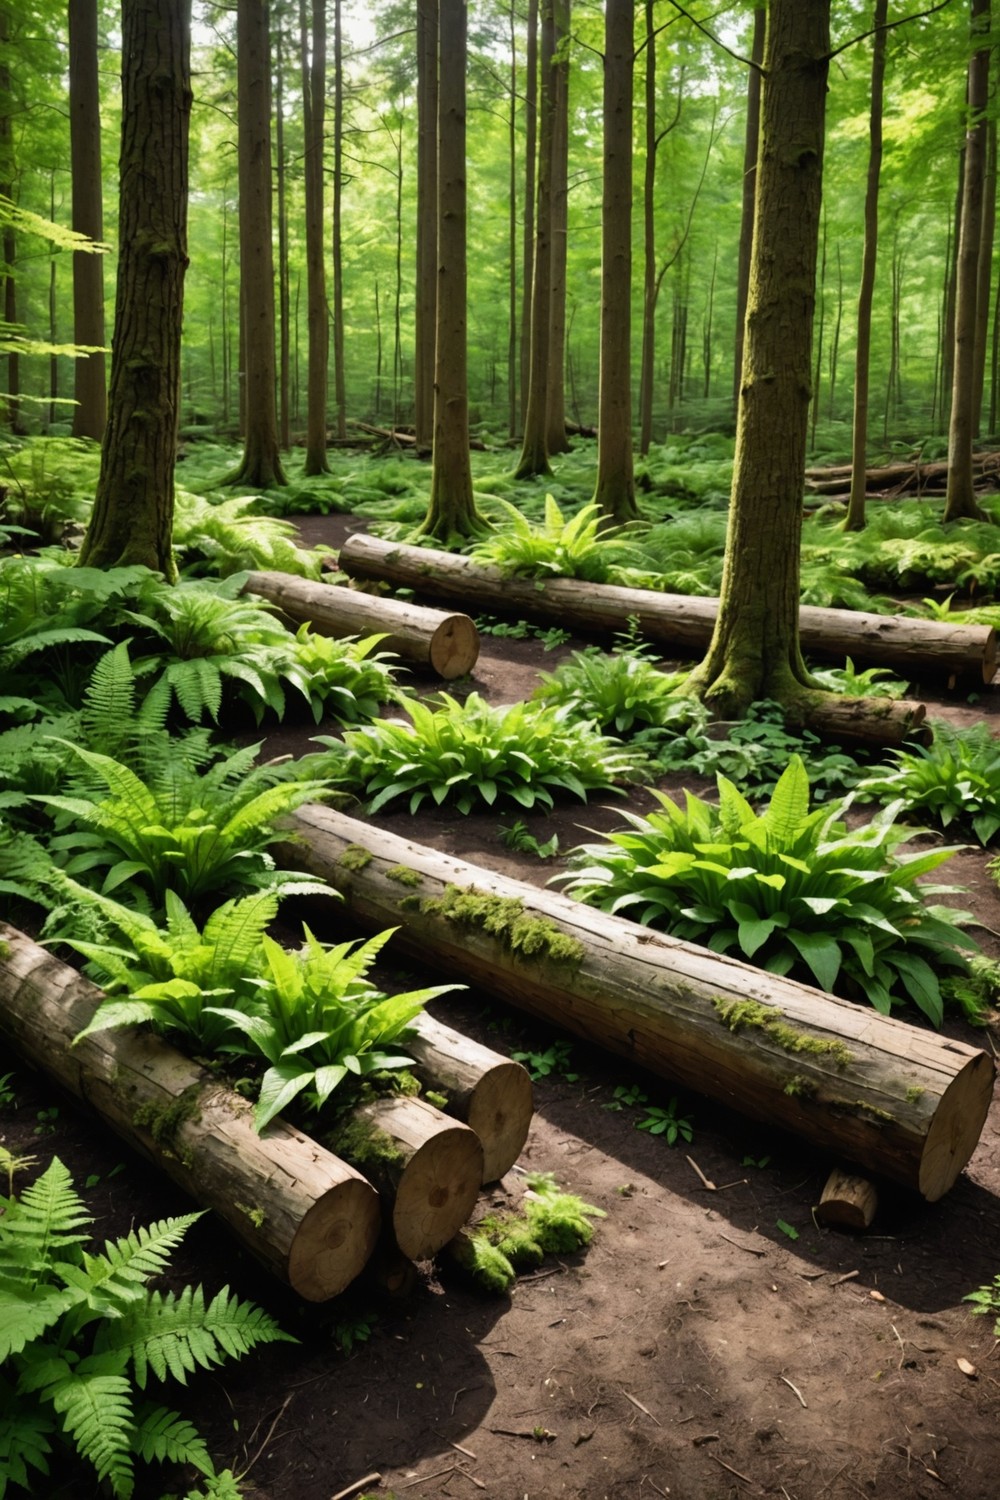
530, 167
755, 649
425, 307
89, 375
750, 150
984, 275
339, 368
649, 281
311, 1219
615, 491
446, 643
680, 621
312, 28
556, 440
132, 518
261, 463
905, 1102
961, 498
534, 458
862, 360
284, 281
452, 509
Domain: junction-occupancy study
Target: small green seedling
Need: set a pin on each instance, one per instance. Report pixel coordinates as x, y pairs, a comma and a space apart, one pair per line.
554, 1060
520, 841
627, 1096
666, 1122
788, 1229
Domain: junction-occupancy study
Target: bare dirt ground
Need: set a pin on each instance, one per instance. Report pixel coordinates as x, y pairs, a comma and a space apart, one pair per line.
695, 1350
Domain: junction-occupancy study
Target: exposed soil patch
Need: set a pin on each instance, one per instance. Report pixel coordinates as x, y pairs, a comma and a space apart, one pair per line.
696, 1350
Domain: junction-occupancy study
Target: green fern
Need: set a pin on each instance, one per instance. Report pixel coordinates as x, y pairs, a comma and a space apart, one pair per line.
79, 1333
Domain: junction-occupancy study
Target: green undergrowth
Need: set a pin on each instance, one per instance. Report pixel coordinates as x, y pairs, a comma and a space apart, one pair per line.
550, 1223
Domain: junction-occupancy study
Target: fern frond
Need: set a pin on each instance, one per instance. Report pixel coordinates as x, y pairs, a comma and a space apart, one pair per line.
172, 1335
25, 1314
129, 1262
96, 1410
163, 1436
109, 701
24, 1441
47, 1217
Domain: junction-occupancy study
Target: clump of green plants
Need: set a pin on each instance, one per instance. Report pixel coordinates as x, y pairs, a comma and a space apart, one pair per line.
519, 838
619, 692
550, 1223
469, 754
346, 679
955, 779
577, 548
871, 682
794, 891
216, 537
986, 1303
83, 1336
320, 1021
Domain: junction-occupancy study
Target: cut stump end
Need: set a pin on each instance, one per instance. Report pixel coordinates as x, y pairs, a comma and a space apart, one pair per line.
454, 647
335, 1240
957, 1125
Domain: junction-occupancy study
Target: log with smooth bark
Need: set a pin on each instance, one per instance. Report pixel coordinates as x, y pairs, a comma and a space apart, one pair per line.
428, 1169
906, 1103
309, 1217
488, 1092
447, 643
680, 621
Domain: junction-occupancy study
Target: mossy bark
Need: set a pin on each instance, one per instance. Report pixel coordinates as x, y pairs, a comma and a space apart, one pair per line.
89, 379
425, 306
314, 108
755, 649
452, 508
534, 459
132, 519
615, 492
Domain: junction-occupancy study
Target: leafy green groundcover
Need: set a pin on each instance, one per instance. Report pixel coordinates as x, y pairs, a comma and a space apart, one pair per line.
793, 891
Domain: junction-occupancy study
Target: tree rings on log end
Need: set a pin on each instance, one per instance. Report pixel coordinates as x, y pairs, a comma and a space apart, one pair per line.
335, 1240
454, 648
990, 656
955, 1130
437, 1190
499, 1111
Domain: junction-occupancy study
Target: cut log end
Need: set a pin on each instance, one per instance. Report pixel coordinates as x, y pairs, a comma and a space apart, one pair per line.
454, 647
438, 1191
848, 1201
499, 1111
334, 1240
990, 657
957, 1125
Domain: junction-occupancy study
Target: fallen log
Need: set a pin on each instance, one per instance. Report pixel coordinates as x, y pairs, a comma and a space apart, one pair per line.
680, 621
489, 1093
447, 643
899, 478
309, 1217
848, 1201
906, 1103
429, 1168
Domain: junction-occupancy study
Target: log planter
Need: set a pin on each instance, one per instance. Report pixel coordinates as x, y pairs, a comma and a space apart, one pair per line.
905, 1102
447, 644
679, 621
308, 1217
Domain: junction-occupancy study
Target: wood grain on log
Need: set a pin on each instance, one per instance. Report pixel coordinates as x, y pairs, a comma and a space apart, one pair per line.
428, 1167
680, 621
848, 1201
490, 1093
309, 1217
903, 1101
446, 643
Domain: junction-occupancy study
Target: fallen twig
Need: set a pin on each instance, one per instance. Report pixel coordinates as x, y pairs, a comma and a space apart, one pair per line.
706, 1180
847, 1276
750, 1249
636, 1402
729, 1468
794, 1388
359, 1484
424, 1478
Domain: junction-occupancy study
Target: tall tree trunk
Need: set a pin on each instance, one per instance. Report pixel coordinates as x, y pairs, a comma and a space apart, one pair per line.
9, 243
427, 168
133, 509
284, 331
313, 42
227, 336
820, 330
755, 649
706, 337
530, 172
512, 321
949, 298
452, 509
615, 491
339, 371
89, 375
833, 362
855, 519
53, 315
984, 281
261, 464
961, 498
556, 440
750, 148
534, 458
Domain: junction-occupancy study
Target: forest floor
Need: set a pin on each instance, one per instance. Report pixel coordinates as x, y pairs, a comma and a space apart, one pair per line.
696, 1349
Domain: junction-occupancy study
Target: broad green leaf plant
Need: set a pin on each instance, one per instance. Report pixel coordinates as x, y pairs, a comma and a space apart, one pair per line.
793, 891
955, 779
83, 1337
576, 548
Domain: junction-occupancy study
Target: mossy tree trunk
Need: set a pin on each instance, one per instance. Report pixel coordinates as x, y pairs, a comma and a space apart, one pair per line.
615, 492
960, 501
556, 440
534, 460
750, 149
426, 298
133, 508
452, 508
755, 649
89, 378
261, 463
530, 163
339, 371
862, 360
312, 28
